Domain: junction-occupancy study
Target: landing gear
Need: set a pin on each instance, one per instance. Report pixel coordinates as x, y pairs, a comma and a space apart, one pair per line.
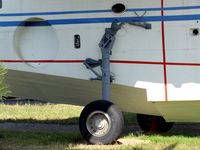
149, 123
101, 122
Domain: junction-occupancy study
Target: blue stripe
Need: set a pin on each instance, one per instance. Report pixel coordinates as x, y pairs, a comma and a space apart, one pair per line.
126, 19
101, 20
54, 13
96, 11
166, 8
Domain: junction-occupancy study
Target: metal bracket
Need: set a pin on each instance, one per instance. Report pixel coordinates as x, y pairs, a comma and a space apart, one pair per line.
145, 25
91, 64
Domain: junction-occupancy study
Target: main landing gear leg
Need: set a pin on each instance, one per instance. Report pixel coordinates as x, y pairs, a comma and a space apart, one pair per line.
101, 122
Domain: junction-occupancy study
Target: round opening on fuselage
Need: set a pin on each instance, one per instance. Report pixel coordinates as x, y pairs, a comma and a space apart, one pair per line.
118, 8
35, 39
195, 32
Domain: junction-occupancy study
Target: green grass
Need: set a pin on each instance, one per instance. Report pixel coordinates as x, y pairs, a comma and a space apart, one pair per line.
167, 141
29, 140
3, 87
68, 114
51, 113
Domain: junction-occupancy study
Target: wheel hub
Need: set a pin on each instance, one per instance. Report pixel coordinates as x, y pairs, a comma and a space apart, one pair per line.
98, 123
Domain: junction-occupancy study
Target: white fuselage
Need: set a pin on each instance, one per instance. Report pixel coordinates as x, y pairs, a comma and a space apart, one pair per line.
156, 71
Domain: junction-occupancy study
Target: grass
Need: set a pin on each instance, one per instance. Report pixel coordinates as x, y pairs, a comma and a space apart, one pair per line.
68, 114
62, 114
166, 141
50, 113
3, 87
29, 140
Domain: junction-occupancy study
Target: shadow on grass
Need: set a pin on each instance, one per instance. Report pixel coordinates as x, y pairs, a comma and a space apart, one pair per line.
179, 129
69, 121
184, 129
30, 140
19, 101
63, 140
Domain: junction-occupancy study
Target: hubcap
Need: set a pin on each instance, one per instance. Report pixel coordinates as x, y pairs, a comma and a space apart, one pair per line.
98, 123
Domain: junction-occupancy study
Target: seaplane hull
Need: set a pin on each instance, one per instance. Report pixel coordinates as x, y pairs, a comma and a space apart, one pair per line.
156, 71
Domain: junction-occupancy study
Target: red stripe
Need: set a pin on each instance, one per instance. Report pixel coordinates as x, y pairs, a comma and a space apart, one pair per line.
42, 61
112, 61
164, 51
183, 64
136, 62
156, 63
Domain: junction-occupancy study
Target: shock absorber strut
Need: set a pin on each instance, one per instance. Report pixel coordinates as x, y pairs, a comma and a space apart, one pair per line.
106, 45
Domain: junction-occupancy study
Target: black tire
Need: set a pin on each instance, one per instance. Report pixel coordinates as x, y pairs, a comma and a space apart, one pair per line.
116, 122
149, 123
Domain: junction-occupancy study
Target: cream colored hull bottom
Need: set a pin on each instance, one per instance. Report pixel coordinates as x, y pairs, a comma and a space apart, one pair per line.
80, 92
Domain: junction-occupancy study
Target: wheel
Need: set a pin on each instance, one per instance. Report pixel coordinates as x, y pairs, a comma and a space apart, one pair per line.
149, 123
101, 122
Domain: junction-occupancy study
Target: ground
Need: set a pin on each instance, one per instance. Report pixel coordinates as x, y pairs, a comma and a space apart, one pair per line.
52, 126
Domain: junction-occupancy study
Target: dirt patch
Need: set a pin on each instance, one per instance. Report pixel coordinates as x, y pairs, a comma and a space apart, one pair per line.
133, 141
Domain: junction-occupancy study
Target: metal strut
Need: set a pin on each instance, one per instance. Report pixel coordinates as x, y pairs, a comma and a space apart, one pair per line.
106, 45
